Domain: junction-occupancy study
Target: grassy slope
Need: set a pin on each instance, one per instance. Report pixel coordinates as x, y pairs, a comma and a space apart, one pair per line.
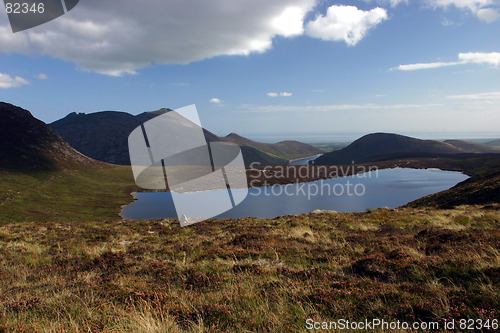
330, 146
250, 274
472, 147
494, 143
69, 195
285, 149
481, 189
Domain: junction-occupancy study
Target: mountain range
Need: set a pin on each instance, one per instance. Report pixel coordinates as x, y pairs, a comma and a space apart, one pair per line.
104, 137
28, 144
386, 146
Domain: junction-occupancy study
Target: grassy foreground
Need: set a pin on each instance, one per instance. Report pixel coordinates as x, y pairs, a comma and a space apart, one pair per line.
250, 274
71, 195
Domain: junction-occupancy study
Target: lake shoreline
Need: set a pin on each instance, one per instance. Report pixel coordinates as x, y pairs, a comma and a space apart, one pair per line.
312, 157
354, 193
265, 176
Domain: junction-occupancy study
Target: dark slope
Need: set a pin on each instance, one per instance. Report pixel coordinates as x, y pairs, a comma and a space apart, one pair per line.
104, 136
284, 149
470, 147
27, 143
493, 143
477, 190
380, 146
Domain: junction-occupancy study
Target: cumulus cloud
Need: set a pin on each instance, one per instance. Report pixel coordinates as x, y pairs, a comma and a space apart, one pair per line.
215, 100
491, 58
483, 9
488, 14
272, 94
118, 39
7, 81
290, 22
286, 94
347, 23
42, 76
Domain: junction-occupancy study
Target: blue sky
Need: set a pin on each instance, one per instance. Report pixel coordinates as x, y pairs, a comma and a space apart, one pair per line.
288, 67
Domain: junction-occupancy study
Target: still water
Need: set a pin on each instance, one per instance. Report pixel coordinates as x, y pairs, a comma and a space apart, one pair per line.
383, 188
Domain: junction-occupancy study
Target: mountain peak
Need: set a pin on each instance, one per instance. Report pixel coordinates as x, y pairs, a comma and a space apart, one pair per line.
29, 143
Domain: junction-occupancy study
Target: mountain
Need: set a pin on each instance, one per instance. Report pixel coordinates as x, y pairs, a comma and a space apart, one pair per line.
27, 143
284, 149
101, 135
493, 143
380, 146
470, 147
104, 137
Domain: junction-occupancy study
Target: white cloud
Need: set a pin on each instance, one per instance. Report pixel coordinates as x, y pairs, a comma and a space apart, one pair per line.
413, 67
115, 40
481, 96
7, 81
392, 3
488, 15
282, 94
42, 76
491, 58
480, 8
395, 3
347, 23
290, 22
215, 100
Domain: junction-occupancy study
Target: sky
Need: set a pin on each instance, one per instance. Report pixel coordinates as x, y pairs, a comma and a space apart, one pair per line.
268, 68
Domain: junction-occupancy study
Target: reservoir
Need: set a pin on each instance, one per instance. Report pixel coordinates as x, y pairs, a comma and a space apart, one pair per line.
383, 188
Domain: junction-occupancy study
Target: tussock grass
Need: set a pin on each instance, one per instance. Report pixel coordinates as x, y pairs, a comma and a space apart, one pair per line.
250, 274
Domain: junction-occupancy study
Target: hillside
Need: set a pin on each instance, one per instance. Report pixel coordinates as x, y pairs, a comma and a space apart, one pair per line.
483, 189
104, 136
385, 146
470, 147
285, 149
27, 143
493, 143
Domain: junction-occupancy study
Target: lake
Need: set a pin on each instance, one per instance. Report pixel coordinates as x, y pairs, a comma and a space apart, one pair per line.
304, 161
383, 188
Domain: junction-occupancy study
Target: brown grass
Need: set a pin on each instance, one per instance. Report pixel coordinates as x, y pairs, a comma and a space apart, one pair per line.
250, 275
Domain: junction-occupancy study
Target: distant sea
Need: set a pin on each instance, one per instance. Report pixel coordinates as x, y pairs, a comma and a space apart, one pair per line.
351, 136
